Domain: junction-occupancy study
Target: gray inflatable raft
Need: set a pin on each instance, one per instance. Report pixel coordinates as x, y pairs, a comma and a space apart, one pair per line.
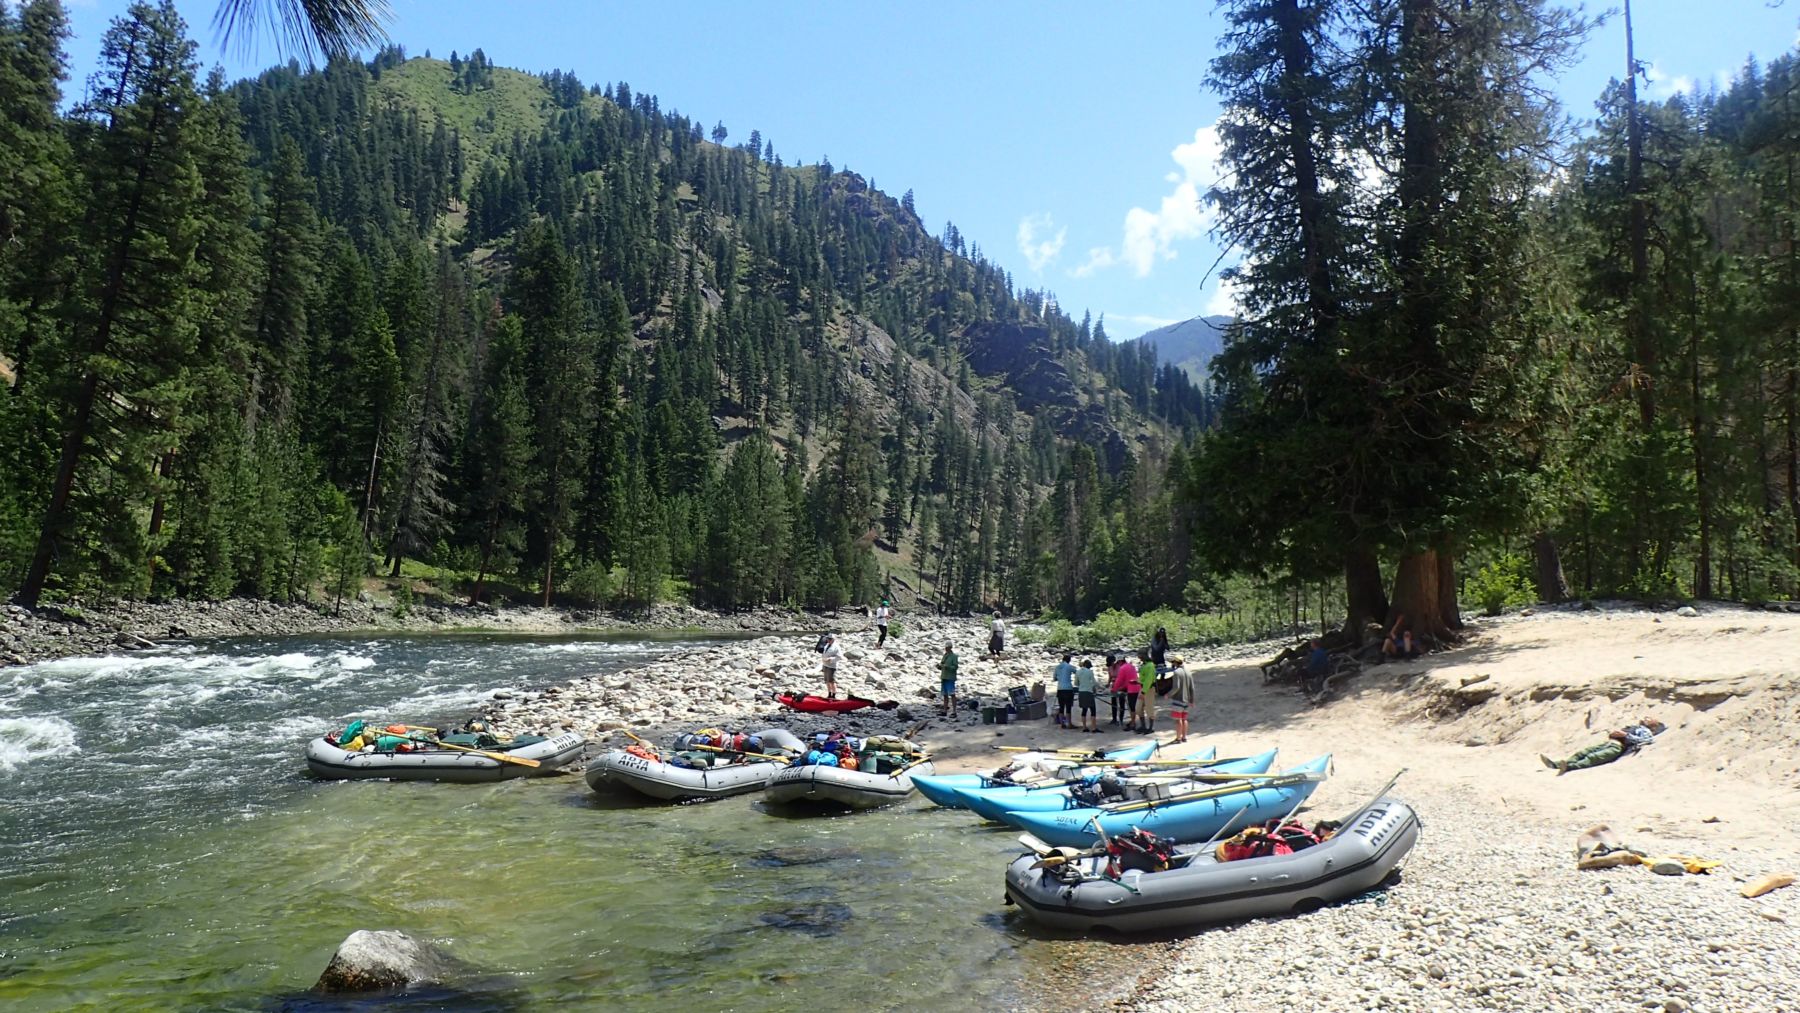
857, 789
328, 761
659, 779
1077, 895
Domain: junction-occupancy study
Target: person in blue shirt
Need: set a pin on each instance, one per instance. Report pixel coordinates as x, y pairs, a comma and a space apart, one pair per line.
1318, 666
1065, 690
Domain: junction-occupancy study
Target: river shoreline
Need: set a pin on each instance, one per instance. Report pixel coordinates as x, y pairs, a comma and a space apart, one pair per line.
49, 632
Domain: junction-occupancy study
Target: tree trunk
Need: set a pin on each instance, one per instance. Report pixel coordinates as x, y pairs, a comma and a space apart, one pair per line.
1365, 598
1637, 324
549, 565
1419, 599
60, 489
1448, 605
163, 469
1552, 586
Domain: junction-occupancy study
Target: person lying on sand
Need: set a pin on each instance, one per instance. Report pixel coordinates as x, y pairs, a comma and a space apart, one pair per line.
1621, 742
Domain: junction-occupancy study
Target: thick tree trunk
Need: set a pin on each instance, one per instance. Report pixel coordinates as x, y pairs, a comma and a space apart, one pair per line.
1448, 605
1418, 602
1552, 586
1366, 598
1637, 324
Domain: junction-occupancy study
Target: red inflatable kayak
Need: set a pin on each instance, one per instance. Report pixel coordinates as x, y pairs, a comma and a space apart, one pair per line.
818, 704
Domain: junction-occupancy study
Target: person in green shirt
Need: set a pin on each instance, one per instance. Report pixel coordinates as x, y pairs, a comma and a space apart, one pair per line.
1084, 689
947, 672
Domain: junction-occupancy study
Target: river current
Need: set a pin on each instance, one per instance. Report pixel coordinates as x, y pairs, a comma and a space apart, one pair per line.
163, 848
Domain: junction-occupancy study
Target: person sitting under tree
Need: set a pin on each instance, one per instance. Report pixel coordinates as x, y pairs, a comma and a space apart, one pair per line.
1620, 742
1400, 643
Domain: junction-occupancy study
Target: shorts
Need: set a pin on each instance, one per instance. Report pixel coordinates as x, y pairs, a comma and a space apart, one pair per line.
1065, 699
950, 688
1087, 702
1179, 713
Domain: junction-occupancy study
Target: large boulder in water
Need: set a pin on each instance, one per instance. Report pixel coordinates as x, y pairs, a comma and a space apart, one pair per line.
377, 960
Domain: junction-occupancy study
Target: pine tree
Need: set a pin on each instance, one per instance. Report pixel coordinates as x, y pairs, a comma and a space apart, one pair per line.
132, 335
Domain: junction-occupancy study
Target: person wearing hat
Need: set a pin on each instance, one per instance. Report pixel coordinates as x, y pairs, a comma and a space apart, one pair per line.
832, 655
882, 615
1181, 696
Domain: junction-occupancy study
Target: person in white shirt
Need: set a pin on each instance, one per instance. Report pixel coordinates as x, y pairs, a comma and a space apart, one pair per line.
882, 615
833, 654
997, 642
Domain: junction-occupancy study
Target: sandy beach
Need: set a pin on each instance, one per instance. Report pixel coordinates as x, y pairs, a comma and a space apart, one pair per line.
1492, 913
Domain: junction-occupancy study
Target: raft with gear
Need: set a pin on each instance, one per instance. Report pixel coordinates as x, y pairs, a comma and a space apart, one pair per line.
1184, 812
1025, 768
1001, 805
411, 753
703, 765
1141, 883
841, 771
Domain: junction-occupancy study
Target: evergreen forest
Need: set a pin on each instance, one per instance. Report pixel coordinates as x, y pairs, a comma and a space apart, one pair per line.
545, 340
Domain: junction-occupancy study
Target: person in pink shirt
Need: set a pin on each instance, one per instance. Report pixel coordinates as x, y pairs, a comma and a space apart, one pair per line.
1127, 680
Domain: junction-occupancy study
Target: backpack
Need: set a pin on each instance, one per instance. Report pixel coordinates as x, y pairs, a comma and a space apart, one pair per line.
1138, 849
824, 638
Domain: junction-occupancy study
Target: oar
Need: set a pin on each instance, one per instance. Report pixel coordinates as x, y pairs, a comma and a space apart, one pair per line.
910, 766
1281, 781
740, 752
1221, 831
520, 760
1165, 763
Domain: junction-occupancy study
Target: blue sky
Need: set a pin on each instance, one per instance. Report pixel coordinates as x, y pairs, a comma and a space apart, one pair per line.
1068, 139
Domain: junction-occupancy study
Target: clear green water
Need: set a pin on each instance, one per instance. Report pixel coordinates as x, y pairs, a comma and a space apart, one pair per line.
162, 848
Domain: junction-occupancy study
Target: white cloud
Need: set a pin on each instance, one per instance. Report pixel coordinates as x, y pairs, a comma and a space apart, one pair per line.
1037, 243
1098, 258
1224, 300
1152, 236
1663, 86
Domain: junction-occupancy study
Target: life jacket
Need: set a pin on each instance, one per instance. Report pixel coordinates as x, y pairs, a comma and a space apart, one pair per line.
641, 750
1273, 838
848, 761
1138, 849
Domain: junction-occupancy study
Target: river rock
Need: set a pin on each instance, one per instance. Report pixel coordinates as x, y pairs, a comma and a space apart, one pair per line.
375, 960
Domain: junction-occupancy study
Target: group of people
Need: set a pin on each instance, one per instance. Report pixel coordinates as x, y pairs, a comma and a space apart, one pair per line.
1132, 688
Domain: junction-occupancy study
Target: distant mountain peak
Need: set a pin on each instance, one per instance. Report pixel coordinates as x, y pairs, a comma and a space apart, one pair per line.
1190, 345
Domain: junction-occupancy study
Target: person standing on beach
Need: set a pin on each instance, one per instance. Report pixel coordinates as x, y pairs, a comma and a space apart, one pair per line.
1065, 691
1084, 688
947, 675
1146, 698
882, 615
833, 654
1127, 681
1115, 690
1181, 697
997, 641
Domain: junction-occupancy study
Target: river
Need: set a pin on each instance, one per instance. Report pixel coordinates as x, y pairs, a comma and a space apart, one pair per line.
163, 848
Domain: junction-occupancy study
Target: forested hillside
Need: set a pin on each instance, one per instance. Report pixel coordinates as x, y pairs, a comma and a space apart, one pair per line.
547, 337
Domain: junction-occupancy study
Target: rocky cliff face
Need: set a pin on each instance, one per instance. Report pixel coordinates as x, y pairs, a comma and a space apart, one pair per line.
1020, 356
